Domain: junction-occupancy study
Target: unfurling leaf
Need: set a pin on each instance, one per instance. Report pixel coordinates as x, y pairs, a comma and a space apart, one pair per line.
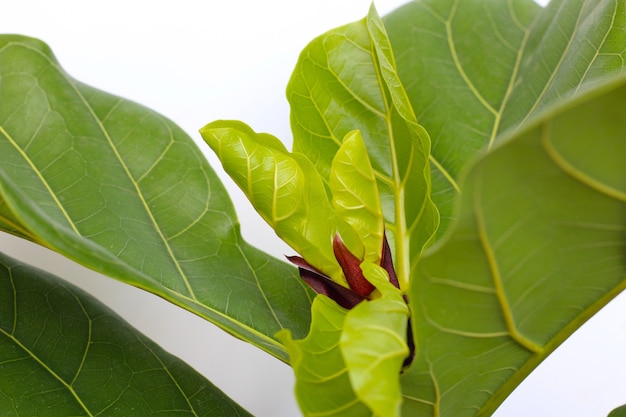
374, 346
286, 191
350, 265
346, 80
355, 194
324, 285
322, 381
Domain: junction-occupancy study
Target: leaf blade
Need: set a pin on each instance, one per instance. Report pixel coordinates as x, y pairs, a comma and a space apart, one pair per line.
374, 345
150, 212
521, 276
474, 70
322, 382
346, 80
355, 194
82, 359
286, 190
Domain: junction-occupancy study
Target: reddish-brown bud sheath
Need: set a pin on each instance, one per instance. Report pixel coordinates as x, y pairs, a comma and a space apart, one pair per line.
322, 284
386, 262
351, 267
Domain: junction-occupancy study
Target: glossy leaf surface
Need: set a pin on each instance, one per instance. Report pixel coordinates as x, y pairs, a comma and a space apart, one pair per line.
346, 80
350, 362
322, 381
374, 345
124, 191
62, 353
286, 190
535, 251
474, 69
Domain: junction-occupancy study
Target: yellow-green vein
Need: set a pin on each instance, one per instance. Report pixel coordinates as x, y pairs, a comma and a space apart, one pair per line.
444, 172
88, 344
457, 62
509, 89
553, 74
134, 183
571, 170
495, 272
41, 178
256, 278
174, 380
591, 61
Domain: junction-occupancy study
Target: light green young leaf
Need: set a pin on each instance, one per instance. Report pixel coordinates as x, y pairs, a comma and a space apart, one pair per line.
122, 190
350, 362
355, 194
374, 346
346, 80
63, 353
322, 381
286, 191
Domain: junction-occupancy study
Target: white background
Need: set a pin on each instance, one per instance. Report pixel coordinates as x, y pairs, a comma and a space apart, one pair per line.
199, 61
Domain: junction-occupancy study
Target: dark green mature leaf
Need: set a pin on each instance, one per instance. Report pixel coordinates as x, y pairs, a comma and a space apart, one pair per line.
63, 353
124, 191
538, 247
346, 80
322, 381
474, 69
618, 412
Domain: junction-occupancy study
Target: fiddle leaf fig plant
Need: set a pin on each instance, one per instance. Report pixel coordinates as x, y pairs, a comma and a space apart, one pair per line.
455, 199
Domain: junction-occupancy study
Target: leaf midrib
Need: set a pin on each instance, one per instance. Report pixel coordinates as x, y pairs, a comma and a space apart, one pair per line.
556, 68
66, 385
118, 156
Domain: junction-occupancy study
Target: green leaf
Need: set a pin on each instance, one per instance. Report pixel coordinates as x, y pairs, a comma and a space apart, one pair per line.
286, 190
124, 191
618, 412
349, 364
322, 381
346, 80
538, 247
475, 69
373, 343
63, 353
355, 194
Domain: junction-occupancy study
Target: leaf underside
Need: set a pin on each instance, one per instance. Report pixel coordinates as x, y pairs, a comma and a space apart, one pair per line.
537, 244
475, 69
348, 365
538, 247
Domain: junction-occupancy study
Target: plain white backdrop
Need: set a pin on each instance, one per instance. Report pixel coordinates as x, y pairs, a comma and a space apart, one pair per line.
198, 61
